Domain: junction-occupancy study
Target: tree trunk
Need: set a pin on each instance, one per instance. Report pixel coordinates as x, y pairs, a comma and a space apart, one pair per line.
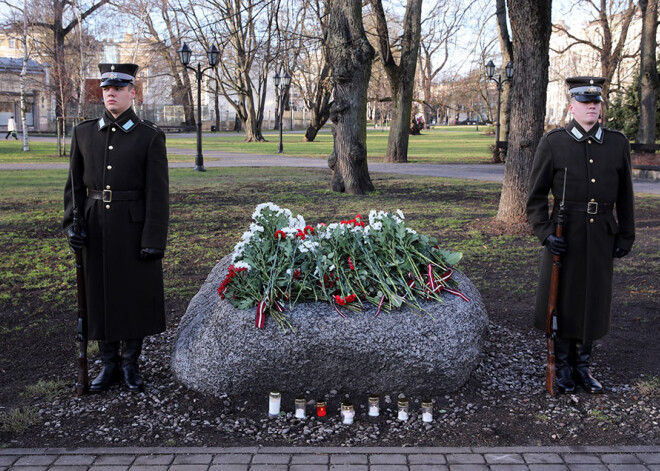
507, 56
402, 76
350, 55
649, 82
531, 27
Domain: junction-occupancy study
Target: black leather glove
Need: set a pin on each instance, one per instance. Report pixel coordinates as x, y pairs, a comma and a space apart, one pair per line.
76, 241
556, 245
151, 254
620, 253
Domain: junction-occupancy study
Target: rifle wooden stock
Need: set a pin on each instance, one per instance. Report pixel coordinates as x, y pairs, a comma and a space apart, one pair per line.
551, 320
82, 382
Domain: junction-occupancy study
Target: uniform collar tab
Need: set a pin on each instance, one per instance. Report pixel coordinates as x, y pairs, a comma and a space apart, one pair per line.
579, 134
127, 120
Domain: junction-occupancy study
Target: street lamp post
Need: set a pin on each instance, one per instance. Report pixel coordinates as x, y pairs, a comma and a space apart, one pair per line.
184, 55
490, 72
281, 85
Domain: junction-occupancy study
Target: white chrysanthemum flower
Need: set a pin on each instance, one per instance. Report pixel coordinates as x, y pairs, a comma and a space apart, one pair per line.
376, 226
247, 235
284, 211
400, 213
290, 231
372, 216
410, 231
332, 226
242, 265
332, 268
316, 271
238, 251
288, 271
297, 222
256, 228
257, 211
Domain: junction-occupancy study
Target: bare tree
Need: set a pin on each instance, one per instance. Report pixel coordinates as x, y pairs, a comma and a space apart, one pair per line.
530, 27
350, 54
649, 82
506, 49
56, 17
439, 32
612, 16
165, 31
244, 31
26, 146
401, 75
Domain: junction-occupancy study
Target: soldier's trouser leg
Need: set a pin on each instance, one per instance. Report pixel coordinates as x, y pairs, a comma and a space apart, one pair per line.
581, 368
565, 383
110, 372
129, 365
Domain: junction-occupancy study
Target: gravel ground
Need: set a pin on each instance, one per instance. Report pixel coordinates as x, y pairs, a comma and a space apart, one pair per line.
503, 403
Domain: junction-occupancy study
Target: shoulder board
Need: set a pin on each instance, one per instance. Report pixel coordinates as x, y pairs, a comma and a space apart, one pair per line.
149, 124
553, 131
615, 131
87, 121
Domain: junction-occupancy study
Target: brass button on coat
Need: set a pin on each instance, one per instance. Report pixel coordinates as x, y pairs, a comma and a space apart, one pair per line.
109, 167
591, 161
110, 147
591, 220
593, 180
107, 206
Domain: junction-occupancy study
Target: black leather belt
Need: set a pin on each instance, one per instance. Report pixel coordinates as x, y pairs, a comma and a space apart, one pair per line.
107, 196
590, 208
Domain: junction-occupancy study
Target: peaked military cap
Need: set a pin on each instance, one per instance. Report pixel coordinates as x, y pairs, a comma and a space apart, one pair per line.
117, 75
585, 88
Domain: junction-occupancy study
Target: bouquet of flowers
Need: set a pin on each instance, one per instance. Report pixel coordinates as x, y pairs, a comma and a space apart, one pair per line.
281, 261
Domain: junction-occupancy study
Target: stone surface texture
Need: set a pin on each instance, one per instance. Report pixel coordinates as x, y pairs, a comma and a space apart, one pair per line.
218, 350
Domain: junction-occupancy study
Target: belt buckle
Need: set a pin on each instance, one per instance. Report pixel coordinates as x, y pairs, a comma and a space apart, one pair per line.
592, 207
107, 196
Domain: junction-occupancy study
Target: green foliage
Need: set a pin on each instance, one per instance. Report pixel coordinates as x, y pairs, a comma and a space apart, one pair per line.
649, 386
623, 112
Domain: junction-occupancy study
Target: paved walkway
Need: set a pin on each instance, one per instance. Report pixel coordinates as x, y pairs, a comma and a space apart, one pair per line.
333, 459
483, 172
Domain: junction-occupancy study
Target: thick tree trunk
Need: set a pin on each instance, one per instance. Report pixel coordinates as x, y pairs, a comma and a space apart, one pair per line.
350, 55
649, 82
531, 27
401, 76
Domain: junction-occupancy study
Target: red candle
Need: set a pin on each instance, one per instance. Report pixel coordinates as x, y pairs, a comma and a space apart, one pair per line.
321, 409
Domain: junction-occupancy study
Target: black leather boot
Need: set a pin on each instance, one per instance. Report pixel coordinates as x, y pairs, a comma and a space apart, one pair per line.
110, 372
581, 369
129, 365
565, 383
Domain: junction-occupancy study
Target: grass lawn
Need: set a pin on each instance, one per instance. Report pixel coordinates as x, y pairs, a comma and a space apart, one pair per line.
452, 144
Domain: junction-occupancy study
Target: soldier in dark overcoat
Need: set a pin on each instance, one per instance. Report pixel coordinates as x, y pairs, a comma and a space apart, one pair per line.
118, 180
598, 227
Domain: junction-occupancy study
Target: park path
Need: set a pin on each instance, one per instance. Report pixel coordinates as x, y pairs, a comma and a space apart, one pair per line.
214, 158
559, 458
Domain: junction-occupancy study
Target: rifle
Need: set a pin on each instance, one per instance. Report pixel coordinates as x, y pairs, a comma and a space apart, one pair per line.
551, 320
82, 382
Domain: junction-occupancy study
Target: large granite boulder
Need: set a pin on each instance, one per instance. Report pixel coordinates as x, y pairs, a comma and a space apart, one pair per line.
219, 350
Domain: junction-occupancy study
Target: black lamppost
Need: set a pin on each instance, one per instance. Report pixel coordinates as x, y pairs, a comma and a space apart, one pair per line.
184, 55
490, 72
281, 85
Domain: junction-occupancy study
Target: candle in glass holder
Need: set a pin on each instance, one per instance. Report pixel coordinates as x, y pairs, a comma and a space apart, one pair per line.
274, 401
321, 409
427, 411
300, 408
374, 406
403, 409
347, 413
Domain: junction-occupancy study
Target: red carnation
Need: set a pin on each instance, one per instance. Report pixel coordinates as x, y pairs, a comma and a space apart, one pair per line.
300, 234
350, 264
309, 230
280, 235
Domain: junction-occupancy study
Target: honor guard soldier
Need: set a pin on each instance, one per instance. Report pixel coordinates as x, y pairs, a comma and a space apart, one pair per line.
118, 179
599, 185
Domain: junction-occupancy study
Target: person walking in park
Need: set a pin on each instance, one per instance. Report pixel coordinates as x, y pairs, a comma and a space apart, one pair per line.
11, 128
118, 179
598, 186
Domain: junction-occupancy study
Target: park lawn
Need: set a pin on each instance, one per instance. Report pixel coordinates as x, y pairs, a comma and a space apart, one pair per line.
450, 144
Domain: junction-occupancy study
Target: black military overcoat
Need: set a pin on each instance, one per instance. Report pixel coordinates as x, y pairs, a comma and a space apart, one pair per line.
598, 171
125, 298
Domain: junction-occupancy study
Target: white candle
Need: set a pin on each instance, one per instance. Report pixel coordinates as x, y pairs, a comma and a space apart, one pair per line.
427, 417
347, 413
373, 411
300, 408
403, 415
274, 401
374, 406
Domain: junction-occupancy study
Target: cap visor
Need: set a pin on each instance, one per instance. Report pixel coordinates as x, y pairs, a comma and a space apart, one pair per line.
587, 98
114, 83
